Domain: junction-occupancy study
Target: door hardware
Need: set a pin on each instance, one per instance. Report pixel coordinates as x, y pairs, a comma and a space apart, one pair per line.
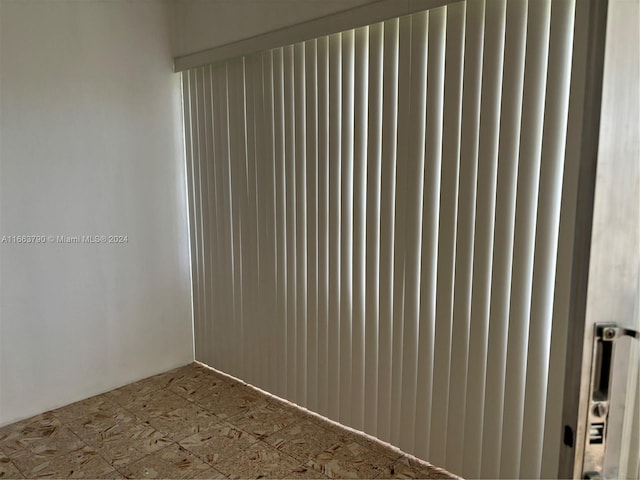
604, 340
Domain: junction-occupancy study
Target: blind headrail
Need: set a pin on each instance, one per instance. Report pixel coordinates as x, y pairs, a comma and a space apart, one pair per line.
360, 16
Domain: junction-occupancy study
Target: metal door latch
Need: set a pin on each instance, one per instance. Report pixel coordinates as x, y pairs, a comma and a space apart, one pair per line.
604, 340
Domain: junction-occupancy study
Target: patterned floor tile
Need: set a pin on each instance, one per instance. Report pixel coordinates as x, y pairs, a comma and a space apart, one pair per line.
83, 463
195, 383
168, 379
126, 394
350, 460
94, 423
407, 467
184, 421
170, 462
7, 468
222, 426
165, 380
35, 453
154, 404
124, 445
264, 420
20, 435
258, 461
301, 413
231, 402
302, 440
115, 475
201, 390
304, 472
363, 443
218, 443
79, 411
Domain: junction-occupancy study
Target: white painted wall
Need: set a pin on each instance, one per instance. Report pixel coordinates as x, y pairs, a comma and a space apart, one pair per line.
90, 143
202, 24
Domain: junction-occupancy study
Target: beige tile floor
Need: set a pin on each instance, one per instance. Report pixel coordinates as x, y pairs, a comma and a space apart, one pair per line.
193, 422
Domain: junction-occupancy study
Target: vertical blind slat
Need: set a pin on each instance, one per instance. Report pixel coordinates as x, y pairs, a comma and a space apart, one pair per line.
238, 161
311, 89
187, 102
449, 425
361, 92
433, 255
208, 205
226, 179
524, 235
387, 221
335, 204
301, 222
276, 345
281, 237
200, 206
493, 53
415, 173
204, 225
212, 205
290, 201
323, 226
546, 241
511, 109
219, 133
265, 222
559, 328
253, 80
404, 101
346, 223
197, 210
252, 333
372, 284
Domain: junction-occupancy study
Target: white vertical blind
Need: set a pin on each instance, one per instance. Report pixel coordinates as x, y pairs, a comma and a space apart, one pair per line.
436, 322
404, 102
361, 113
415, 155
311, 89
346, 223
448, 448
323, 226
492, 71
334, 214
387, 221
537, 46
547, 231
510, 115
375, 218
